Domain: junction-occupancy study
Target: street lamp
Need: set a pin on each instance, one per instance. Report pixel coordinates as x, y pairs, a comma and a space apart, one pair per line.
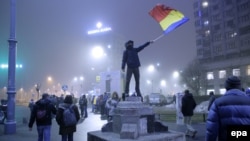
97, 52
82, 79
176, 75
49, 79
10, 124
163, 84
150, 83
38, 86
151, 69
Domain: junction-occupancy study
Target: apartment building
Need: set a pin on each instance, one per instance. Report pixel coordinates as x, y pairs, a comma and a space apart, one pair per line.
223, 40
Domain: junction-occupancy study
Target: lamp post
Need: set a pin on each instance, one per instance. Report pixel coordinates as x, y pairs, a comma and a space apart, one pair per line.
176, 75
10, 124
151, 69
38, 86
82, 79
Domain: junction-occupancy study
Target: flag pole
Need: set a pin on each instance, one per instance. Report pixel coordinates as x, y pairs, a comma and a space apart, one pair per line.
158, 37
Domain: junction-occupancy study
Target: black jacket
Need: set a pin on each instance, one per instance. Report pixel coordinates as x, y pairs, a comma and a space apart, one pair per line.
50, 109
59, 118
131, 58
188, 105
211, 100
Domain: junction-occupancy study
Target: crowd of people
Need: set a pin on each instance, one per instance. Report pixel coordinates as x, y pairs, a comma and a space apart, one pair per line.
230, 109
45, 109
51, 107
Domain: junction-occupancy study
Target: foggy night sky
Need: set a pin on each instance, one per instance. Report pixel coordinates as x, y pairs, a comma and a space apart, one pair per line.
52, 36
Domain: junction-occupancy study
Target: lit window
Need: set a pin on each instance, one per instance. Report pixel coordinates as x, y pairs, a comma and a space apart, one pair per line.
222, 74
206, 22
210, 75
248, 70
236, 72
233, 34
209, 90
207, 32
222, 91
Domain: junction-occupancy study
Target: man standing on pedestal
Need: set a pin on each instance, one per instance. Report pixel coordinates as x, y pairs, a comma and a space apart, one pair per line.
131, 59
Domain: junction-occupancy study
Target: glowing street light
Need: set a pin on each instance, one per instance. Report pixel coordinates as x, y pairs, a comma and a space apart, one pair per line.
97, 52
151, 68
176, 74
163, 83
5, 66
49, 79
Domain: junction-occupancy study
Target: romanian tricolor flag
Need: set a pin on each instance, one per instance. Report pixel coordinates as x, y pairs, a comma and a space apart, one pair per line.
168, 18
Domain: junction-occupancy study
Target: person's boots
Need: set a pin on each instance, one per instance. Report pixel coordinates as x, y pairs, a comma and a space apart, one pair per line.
139, 95
141, 99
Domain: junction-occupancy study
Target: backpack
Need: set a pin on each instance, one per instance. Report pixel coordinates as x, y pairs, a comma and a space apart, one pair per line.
41, 113
69, 117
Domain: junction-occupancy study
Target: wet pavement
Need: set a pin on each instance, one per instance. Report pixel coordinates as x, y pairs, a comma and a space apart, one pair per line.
92, 123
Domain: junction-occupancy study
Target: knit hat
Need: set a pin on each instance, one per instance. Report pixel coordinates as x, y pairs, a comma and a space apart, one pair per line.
232, 82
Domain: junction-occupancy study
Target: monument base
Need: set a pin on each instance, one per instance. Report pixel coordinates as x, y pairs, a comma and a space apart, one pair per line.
134, 120
111, 136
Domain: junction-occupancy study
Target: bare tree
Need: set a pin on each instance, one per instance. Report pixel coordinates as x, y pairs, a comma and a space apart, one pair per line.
194, 77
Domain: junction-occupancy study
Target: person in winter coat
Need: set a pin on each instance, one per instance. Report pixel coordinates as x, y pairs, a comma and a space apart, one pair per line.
211, 100
43, 120
131, 59
188, 105
111, 104
66, 131
233, 108
31, 104
83, 103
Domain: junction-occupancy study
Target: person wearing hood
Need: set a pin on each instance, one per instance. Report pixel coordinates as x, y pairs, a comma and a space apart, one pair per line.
131, 59
233, 108
42, 114
211, 100
67, 131
188, 105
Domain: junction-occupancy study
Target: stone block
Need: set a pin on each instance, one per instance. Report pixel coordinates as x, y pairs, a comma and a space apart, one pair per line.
119, 120
107, 127
129, 131
133, 98
143, 129
160, 127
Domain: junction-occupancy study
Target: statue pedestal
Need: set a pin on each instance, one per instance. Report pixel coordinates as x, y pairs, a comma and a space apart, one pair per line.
134, 120
111, 136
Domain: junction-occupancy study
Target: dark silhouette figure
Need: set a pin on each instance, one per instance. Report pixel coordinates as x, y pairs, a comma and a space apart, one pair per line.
131, 59
211, 100
187, 108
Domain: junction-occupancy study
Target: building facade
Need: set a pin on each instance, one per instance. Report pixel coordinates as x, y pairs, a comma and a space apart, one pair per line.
223, 40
